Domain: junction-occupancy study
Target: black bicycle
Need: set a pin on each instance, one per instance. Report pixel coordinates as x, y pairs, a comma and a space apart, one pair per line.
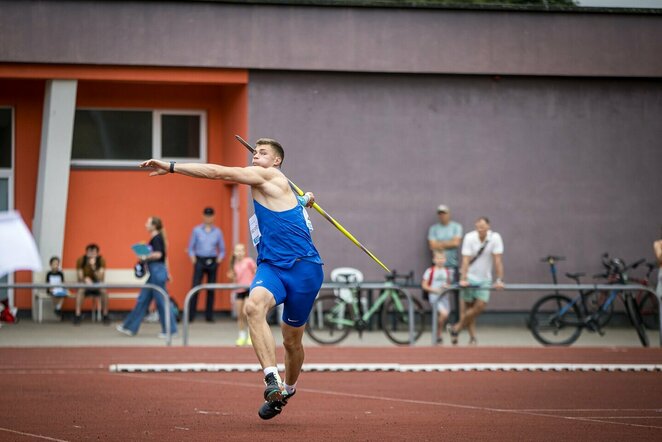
647, 302
557, 319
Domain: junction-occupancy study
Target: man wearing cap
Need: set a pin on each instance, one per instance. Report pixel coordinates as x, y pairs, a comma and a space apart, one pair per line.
206, 249
445, 237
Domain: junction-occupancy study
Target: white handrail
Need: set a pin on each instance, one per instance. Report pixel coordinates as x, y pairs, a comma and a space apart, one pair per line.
556, 288
325, 286
102, 285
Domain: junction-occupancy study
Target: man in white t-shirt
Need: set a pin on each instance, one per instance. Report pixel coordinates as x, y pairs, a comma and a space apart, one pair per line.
482, 251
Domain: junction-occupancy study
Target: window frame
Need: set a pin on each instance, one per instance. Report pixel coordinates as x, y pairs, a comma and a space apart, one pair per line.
8, 172
156, 138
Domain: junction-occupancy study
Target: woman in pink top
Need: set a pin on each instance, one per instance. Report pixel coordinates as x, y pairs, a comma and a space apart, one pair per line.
242, 272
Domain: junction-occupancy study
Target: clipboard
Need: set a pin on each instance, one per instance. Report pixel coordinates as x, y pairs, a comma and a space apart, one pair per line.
141, 249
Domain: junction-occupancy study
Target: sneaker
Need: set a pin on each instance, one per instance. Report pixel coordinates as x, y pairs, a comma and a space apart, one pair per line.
152, 317
125, 331
106, 320
274, 388
240, 342
164, 336
269, 410
77, 319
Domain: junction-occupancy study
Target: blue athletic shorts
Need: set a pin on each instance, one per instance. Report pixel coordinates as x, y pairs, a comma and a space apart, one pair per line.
296, 288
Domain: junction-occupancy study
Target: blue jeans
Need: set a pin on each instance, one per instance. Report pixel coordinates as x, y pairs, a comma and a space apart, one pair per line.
157, 276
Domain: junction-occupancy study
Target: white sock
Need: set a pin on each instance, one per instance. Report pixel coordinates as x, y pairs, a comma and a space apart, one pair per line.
243, 334
273, 370
290, 388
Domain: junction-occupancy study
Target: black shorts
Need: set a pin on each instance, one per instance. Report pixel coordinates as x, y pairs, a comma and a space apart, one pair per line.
243, 295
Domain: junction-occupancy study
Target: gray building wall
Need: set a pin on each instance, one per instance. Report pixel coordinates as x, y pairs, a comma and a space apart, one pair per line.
210, 34
385, 113
560, 165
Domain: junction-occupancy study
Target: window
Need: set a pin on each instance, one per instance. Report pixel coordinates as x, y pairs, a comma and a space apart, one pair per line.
7, 180
6, 138
104, 137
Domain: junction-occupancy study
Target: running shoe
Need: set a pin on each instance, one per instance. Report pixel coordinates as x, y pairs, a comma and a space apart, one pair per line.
240, 342
274, 388
269, 410
123, 330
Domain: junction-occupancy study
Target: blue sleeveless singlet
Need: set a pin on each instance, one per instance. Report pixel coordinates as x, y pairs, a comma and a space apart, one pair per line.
284, 237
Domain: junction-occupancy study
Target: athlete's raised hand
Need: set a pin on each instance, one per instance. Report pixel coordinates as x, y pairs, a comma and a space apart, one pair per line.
160, 167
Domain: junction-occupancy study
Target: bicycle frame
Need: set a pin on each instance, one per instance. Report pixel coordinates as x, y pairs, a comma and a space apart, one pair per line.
356, 312
586, 317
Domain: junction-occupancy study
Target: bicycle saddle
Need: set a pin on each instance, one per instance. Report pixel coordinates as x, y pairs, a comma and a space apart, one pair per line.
575, 276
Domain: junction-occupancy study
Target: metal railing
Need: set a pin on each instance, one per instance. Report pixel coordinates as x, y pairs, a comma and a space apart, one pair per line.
552, 288
325, 286
80, 285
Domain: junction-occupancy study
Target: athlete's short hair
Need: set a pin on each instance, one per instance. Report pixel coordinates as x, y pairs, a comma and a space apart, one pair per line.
275, 145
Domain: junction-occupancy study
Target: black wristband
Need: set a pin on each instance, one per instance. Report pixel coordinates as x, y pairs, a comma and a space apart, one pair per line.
172, 167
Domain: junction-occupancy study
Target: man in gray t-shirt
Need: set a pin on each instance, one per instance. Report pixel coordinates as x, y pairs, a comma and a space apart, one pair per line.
446, 236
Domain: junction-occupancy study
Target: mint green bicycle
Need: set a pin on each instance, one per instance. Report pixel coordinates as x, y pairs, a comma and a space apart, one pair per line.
333, 317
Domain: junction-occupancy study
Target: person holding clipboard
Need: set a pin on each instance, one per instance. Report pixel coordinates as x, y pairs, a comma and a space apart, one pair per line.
154, 255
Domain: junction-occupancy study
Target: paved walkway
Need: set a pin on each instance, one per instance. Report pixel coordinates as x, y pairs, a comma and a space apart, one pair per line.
223, 333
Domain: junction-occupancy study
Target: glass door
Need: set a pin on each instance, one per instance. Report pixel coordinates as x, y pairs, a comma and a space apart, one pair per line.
7, 179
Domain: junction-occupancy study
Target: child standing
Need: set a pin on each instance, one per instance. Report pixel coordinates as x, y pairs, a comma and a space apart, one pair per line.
435, 280
55, 276
242, 272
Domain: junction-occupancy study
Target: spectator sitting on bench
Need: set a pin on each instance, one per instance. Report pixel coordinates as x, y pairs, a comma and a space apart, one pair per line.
55, 276
91, 269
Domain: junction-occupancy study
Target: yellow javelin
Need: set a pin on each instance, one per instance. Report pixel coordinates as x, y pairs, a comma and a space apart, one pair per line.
322, 212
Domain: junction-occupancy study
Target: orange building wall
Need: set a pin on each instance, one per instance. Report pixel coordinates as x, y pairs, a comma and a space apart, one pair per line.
109, 207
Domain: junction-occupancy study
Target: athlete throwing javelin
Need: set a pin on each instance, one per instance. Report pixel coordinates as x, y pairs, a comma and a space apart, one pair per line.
289, 268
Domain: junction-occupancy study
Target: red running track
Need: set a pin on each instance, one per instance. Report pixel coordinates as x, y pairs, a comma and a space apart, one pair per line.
69, 394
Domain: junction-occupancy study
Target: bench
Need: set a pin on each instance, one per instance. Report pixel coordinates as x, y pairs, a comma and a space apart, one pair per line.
112, 276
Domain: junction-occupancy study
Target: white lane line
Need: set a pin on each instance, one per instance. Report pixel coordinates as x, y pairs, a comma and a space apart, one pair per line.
39, 436
626, 417
384, 398
394, 367
583, 410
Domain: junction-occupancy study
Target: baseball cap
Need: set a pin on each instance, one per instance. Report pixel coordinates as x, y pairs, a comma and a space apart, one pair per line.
208, 211
443, 208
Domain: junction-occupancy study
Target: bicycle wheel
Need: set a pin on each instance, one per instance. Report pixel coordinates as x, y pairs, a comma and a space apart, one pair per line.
594, 302
650, 313
555, 320
330, 320
395, 318
635, 318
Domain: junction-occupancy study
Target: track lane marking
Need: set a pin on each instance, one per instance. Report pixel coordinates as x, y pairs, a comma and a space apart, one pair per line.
389, 399
39, 436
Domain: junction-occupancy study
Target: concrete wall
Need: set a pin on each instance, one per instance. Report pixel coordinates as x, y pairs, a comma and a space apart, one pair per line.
562, 166
330, 38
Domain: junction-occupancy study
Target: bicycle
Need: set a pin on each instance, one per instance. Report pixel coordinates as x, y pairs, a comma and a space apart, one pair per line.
557, 319
647, 302
594, 299
333, 317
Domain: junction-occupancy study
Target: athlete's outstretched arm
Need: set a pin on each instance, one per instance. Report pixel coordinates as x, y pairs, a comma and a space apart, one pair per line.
252, 175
